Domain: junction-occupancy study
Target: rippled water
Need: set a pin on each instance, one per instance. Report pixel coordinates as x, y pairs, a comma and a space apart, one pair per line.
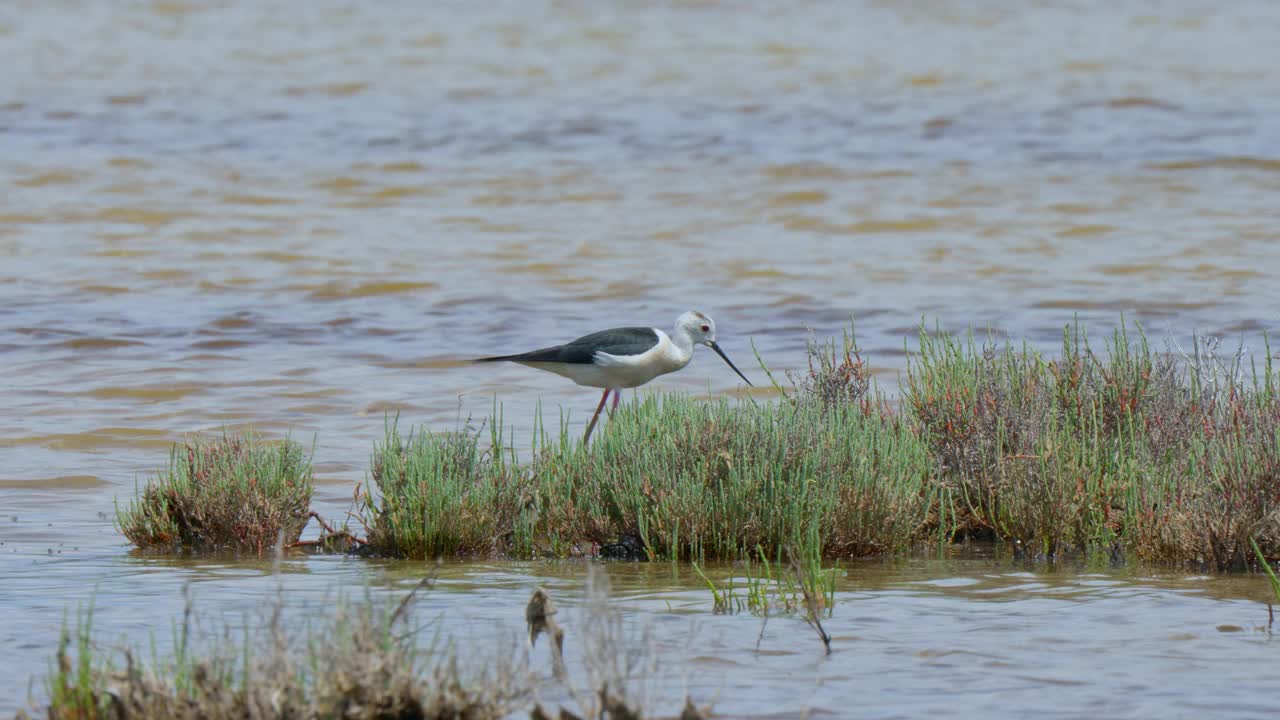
969, 636
237, 213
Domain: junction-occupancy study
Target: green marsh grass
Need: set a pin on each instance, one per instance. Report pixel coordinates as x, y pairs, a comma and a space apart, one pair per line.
696, 480
686, 479
442, 494
1272, 578
71, 681
234, 492
769, 587
1168, 456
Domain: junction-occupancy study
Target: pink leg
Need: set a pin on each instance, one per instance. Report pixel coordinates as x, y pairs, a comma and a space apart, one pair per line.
592, 425
617, 395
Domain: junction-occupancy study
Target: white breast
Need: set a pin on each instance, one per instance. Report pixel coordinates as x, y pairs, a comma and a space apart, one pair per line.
628, 371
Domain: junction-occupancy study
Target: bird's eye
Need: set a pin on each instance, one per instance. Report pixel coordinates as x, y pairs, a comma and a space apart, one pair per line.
706, 328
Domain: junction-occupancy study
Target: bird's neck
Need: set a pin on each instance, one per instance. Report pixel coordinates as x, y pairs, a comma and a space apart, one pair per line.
682, 345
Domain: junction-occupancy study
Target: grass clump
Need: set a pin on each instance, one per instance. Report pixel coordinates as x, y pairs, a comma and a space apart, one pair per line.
235, 492
1174, 458
1026, 449
823, 472
672, 477
695, 480
437, 495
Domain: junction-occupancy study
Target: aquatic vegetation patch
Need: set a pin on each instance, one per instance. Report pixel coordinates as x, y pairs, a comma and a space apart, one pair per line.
234, 492
361, 663
437, 495
696, 480
679, 478
365, 660
763, 586
1027, 449
1171, 456
799, 586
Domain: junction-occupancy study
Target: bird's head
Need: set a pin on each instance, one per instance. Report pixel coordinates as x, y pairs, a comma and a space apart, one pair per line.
702, 330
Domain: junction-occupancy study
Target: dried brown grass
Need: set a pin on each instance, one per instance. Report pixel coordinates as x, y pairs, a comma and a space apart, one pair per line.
362, 662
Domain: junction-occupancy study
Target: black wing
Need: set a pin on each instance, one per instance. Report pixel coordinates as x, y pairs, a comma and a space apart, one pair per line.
618, 341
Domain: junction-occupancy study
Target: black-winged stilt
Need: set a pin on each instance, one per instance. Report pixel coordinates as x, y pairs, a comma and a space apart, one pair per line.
624, 357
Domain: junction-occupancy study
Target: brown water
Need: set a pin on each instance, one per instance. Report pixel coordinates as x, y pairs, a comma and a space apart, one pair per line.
235, 213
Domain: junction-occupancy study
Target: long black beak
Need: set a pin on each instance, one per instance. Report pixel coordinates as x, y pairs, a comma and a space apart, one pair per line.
726, 359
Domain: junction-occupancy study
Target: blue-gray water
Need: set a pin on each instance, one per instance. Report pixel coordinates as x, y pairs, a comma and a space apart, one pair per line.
243, 213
